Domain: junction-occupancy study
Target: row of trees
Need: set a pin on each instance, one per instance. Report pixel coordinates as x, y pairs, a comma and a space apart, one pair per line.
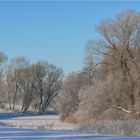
110, 78
29, 85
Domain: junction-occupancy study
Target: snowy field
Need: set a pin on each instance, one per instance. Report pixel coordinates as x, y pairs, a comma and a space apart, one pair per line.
28, 134
49, 121
16, 126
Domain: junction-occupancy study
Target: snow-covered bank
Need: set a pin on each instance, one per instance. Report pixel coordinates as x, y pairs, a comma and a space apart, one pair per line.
49, 121
28, 134
17, 126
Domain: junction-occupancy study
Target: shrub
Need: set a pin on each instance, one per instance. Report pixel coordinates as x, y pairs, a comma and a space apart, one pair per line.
129, 128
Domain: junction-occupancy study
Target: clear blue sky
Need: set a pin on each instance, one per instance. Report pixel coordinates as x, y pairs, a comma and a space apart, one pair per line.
53, 31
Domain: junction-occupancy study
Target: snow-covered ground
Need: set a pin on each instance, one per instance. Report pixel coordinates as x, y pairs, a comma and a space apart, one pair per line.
16, 126
49, 121
28, 134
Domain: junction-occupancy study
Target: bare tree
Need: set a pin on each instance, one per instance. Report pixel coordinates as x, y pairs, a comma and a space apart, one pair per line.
89, 66
51, 85
13, 76
103, 95
3, 59
8, 85
27, 85
40, 71
40, 83
118, 52
69, 95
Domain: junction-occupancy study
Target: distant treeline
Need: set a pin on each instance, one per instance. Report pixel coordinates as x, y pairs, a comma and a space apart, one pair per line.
25, 85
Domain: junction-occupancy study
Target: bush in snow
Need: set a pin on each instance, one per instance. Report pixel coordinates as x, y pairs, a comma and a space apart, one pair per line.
129, 128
